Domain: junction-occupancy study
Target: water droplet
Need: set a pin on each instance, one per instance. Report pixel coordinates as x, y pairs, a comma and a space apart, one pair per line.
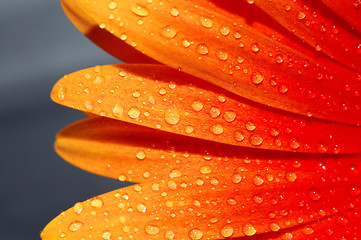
307, 231
314, 194
172, 185
169, 234
248, 229
254, 47
118, 111
155, 187
222, 55
273, 132
141, 155
358, 49
197, 106
294, 144
214, 112
257, 78
287, 7
224, 30
186, 43
112, 5
274, 227
75, 226
202, 49
61, 93
354, 191
258, 180
206, 22
134, 112
282, 88
102, 25
250, 126
96, 203
88, 105
195, 234
152, 230
236, 178
291, 176
139, 9
321, 148
256, 140
227, 231
175, 173
238, 136
106, 235
217, 129
300, 15
205, 170
174, 12
172, 117
229, 116
257, 199
141, 207
189, 129
342, 221
279, 58
78, 207
169, 31
122, 178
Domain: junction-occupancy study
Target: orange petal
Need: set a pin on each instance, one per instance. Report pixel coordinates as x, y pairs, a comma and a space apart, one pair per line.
350, 11
212, 206
318, 26
129, 152
223, 49
159, 97
101, 37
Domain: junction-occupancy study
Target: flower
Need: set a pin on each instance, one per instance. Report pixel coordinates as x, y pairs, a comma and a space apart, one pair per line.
247, 130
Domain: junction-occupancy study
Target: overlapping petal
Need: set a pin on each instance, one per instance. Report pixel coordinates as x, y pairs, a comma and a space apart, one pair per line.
221, 48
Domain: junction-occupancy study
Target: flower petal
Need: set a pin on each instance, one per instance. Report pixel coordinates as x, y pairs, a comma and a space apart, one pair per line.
318, 26
211, 206
223, 49
129, 152
348, 10
101, 37
159, 97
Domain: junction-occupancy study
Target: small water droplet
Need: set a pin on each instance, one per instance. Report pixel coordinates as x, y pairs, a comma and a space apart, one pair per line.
197, 106
169, 234
217, 129
134, 112
152, 229
354, 191
254, 47
214, 112
248, 229
195, 234
291, 176
279, 58
224, 30
118, 110
222, 55
238, 136
256, 139
250, 126
274, 227
282, 88
205, 170
112, 5
186, 43
172, 117
294, 144
141, 155
75, 226
258, 180
175, 173
227, 231
78, 207
141, 208
202, 49
314, 194
169, 31
301, 15
174, 12
206, 21
139, 9
96, 203
257, 78
61, 93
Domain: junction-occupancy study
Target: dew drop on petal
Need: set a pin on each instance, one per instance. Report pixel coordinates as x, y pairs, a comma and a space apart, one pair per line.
236, 178
112, 5
139, 9
248, 229
294, 144
206, 21
238, 136
118, 111
78, 207
195, 234
258, 180
217, 129
202, 49
174, 12
134, 112
152, 230
169, 31
172, 117
141, 208
254, 47
106, 235
224, 30
256, 140
197, 106
75, 226
274, 227
229, 116
257, 78
141, 155
291, 176
222, 55
169, 234
214, 112
61, 93
227, 231
96, 203
314, 194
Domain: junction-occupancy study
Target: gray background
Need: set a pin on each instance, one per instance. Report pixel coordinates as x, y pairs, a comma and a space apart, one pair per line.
38, 45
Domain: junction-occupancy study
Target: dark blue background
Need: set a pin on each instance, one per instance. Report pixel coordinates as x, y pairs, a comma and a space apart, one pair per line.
38, 45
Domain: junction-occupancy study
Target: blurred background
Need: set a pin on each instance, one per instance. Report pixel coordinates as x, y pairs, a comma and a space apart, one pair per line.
38, 46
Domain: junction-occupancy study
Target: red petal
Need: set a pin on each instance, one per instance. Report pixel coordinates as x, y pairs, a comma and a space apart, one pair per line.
212, 206
349, 10
159, 97
318, 26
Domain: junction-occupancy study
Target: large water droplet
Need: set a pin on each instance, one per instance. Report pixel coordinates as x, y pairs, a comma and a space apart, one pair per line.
257, 78
217, 129
139, 9
206, 21
227, 231
195, 234
248, 229
256, 140
152, 230
134, 112
96, 203
172, 117
169, 31
202, 49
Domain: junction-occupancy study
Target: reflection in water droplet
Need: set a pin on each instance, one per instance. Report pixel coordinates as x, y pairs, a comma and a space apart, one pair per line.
217, 129
197, 106
106, 235
195, 234
118, 111
152, 230
134, 112
202, 49
256, 140
224, 30
227, 231
96, 203
174, 12
222, 55
139, 9
112, 5
206, 22
75, 226
291, 176
248, 229
294, 144
172, 117
314, 194
257, 78
238, 136
141, 155
78, 207
254, 47
169, 234
169, 31
258, 180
